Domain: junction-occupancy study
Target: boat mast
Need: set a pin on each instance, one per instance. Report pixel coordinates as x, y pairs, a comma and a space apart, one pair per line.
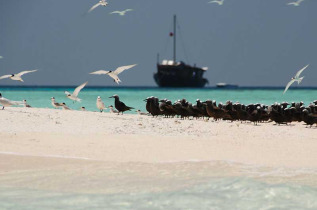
174, 36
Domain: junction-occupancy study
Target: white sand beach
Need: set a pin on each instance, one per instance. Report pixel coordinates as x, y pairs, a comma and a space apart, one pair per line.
57, 149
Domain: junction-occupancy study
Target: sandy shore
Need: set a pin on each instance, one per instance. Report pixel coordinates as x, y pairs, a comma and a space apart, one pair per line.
134, 138
94, 152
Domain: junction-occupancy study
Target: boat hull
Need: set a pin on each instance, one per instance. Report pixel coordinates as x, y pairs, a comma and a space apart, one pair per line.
179, 76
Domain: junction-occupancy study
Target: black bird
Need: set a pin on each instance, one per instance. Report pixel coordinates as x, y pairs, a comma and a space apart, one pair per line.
120, 106
309, 118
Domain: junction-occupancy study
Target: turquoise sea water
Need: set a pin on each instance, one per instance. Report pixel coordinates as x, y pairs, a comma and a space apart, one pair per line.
134, 96
218, 193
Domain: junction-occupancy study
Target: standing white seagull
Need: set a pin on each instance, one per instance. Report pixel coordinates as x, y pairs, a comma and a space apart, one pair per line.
74, 96
100, 105
17, 76
122, 13
296, 78
114, 74
100, 3
6, 102
295, 3
219, 2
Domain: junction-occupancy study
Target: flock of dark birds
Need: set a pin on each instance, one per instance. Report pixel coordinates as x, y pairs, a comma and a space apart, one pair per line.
280, 113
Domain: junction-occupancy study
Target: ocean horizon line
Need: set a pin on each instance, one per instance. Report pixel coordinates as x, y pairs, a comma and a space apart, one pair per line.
156, 87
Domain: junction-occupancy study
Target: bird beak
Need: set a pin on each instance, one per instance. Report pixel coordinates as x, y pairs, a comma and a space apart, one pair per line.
111, 97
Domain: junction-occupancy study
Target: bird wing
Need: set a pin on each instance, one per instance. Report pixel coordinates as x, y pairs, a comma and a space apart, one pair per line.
93, 7
100, 72
5, 76
115, 12
122, 68
128, 10
300, 71
288, 84
78, 89
25, 72
214, 2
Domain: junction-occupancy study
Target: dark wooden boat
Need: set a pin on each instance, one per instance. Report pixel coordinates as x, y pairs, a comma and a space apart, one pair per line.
171, 73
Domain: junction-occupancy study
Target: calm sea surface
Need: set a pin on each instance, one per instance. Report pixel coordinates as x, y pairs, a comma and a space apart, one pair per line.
40, 97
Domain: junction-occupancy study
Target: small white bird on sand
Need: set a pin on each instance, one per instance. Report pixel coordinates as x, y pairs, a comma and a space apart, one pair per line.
74, 96
17, 76
83, 108
140, 113
6, 102
114, 74
296, 78
65, 107
100, 104
55, 104
26, 104
112, 110
295, 3
122, 13
219, 2
100, 3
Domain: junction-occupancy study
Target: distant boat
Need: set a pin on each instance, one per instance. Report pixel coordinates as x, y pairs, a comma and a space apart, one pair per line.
178, 74
225, 85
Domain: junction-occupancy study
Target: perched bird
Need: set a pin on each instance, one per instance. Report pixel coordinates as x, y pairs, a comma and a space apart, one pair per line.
17, 76
100, 104
122, 13
100, 3
120, 106
55, 104
65, 107
295, 3
219, 2
112, 110
6, 102
140, 113
74, 96
25, 104
114, 74
83, 108
296, 78
309, 118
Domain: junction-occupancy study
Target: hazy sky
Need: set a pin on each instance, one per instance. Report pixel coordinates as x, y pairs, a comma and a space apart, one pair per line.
246, 42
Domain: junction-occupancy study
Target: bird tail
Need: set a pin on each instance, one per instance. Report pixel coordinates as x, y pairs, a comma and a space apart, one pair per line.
130, 108
300, 80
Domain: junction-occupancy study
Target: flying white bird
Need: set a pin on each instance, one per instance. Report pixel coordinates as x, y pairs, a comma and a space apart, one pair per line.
121, 12
219, 2
55, 104
1, 57
100, 3
112, 110
295, 3
100, 104
114, 74
74, 96
6, 102
17, 76
26, 104
296, 78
